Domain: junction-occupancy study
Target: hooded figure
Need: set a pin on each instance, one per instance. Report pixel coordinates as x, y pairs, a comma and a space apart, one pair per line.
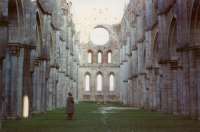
70, 106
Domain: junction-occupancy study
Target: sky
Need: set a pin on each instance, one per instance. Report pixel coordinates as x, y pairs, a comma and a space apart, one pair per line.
89, 13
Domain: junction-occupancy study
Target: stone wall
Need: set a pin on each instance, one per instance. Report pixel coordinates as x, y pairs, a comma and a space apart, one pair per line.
38, 56
105, 69
162, 42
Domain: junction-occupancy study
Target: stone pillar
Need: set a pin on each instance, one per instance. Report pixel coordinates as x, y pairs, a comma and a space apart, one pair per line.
14, 80
40, 86
197, 56
36, 79
194, 54
134, 74
174, 84
27, 78
52, 88
1, 90
1, 80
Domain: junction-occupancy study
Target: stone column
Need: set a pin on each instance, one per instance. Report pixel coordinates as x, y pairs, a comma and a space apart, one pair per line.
1, 90
197, 56
174, 84
27, 79
141, 74
194, 54
1, 79
36, 79
166, 88
134, 74
14, 80
52, 88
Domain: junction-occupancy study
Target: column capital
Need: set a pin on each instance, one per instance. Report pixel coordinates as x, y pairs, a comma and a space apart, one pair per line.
174, 65
36, 62
13, 49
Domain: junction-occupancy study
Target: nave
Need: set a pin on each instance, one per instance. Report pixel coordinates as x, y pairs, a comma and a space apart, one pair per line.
92, 117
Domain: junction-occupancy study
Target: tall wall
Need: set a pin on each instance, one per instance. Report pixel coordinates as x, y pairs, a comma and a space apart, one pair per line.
160, 50
38, 56
105, 69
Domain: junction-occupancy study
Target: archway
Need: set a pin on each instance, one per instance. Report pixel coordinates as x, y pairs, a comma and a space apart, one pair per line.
111, 82
109, 56
99, 82
87, 82
99, 57
90, 57
38, 34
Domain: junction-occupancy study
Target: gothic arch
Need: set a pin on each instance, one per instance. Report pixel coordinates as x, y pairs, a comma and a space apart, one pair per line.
195, 23
100, 56
15, 16
87, 81
155, 49
38, 33
112, 81
90, 56
172, 38
109, 56
99, 82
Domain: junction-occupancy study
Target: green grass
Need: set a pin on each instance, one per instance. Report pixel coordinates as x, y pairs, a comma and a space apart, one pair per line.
88, 119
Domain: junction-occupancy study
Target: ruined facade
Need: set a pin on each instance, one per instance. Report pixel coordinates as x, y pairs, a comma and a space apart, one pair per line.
99, 69
160, 51
38, 56
154, 51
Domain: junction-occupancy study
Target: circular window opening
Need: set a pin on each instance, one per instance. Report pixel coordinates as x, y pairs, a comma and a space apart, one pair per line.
99, 36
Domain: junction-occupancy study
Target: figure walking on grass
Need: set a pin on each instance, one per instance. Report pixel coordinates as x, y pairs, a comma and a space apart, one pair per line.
70, 106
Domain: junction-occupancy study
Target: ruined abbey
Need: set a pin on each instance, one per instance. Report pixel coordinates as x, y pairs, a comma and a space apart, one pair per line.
151, 61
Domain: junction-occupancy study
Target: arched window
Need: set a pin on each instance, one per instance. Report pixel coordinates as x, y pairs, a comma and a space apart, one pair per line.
99, 57
99, 82
109, 57
89, 57
111, 82
87, 82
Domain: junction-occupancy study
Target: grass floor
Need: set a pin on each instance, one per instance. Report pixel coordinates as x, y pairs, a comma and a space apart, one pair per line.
90, 119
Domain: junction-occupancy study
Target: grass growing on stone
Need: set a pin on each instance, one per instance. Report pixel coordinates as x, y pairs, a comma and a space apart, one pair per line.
90, 119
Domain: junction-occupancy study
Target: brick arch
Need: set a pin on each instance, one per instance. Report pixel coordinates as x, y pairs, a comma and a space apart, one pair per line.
111, 73
92, 55
106, 56
99, 72
87, 73
102, 56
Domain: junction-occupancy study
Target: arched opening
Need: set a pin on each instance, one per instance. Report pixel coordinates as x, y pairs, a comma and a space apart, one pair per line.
87, 82
90, 57
39, 34
99, 57
195, 23
172, 39
109, 57
155, 49
25, 106
111, 83
15, 19
99, 82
